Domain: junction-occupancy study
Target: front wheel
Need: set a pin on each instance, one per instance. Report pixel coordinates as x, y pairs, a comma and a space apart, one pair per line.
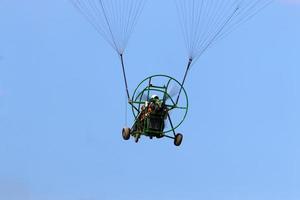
178, 139
126, 133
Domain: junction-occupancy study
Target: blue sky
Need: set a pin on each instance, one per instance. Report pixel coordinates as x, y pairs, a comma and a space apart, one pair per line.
62, 109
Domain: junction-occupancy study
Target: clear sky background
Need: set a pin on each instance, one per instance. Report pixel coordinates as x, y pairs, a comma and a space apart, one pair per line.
62, 108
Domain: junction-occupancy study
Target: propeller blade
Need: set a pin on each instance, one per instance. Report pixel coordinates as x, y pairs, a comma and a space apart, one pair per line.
143, 97
173, 91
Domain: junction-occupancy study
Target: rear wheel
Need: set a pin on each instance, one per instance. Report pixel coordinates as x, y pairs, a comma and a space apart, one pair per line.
126, 133
178, 139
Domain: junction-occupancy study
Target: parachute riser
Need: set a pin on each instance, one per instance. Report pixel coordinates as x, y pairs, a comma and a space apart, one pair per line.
125, 78
184, 78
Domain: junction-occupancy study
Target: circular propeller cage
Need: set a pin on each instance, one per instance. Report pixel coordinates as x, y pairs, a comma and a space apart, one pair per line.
170, 91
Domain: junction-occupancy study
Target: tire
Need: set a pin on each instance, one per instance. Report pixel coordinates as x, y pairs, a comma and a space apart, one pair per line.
178, 139
126, 133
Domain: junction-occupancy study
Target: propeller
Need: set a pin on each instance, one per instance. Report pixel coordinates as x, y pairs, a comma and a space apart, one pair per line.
143, 97
172, 92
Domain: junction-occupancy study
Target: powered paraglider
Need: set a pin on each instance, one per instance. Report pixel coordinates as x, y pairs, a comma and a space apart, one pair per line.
203, 22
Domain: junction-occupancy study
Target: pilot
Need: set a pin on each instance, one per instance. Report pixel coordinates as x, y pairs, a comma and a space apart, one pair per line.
154, 105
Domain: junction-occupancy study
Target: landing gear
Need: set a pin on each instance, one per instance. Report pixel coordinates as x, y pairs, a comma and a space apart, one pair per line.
126, 133
178, 139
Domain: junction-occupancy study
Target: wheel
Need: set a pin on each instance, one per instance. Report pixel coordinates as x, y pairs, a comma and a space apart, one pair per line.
178, 139
126, 133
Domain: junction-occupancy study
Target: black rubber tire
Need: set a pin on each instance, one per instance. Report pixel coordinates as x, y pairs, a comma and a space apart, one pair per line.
126, 133
178, 139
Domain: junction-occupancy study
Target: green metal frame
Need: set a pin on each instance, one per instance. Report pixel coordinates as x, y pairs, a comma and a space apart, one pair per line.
137, 101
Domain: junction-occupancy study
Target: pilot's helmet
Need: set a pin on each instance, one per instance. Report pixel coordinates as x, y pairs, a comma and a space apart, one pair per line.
154, 96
